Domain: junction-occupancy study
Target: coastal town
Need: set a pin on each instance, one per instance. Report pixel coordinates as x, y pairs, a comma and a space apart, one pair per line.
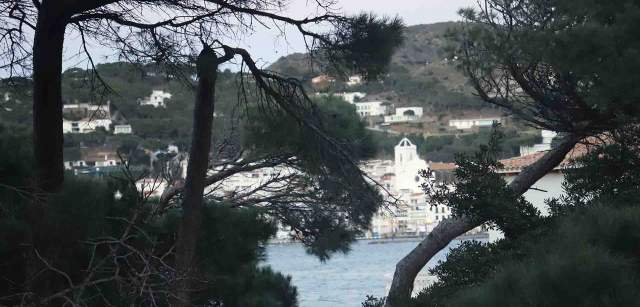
324, 153
412, 215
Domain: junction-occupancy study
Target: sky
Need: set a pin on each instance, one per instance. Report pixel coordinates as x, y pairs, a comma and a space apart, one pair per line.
413, 12
266, 46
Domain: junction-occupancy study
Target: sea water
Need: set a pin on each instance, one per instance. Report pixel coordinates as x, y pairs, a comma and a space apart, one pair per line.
345, 279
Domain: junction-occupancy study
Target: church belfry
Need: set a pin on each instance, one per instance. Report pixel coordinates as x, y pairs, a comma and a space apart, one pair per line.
405, 153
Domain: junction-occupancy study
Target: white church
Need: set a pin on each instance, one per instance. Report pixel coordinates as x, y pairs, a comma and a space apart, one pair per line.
412, 216
400, 177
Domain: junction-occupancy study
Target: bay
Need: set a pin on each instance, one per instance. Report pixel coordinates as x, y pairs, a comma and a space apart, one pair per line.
345, 279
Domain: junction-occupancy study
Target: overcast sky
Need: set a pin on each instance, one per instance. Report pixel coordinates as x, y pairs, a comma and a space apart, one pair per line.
267, 47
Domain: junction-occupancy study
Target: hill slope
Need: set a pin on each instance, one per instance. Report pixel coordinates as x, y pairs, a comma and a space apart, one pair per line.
420, 74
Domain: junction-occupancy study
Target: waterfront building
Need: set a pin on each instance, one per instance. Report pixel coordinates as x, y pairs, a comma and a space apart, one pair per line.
412, 215
399, 179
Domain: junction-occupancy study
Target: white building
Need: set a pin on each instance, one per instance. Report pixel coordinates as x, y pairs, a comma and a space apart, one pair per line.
404, 115
351, 97
354, 80
156, 99
371, 108
122, 129
463, 124
94, 157
414, 215
85, 118
85, 125
151, 187
547, 138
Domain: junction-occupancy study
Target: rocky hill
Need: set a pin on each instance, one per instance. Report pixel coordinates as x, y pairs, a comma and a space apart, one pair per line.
421, 74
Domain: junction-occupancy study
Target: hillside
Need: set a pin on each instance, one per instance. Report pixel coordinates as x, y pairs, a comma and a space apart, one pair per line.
420, 75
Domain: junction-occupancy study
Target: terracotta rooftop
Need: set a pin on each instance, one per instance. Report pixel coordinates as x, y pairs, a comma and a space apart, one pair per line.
98, 154
517, 164
437, 166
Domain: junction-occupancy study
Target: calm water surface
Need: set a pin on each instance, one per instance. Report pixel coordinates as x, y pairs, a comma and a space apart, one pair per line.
344, 280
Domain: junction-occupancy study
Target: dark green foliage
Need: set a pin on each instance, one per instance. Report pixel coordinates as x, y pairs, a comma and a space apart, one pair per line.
575, 63
372, 301
278, 133
610, 175
15, 101
590, 261
585, 254
230, 248
481, 193
365, 44
466, 265
338, 203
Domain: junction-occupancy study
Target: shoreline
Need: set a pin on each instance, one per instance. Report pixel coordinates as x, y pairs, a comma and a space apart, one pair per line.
399, 239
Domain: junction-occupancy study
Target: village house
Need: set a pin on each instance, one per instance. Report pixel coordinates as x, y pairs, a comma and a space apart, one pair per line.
371, 108
94, 161
86, 118
156, 99
464, 124
404, 115
122, 129
354, 80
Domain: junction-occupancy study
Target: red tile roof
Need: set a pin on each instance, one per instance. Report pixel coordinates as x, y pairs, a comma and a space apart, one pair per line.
517, 164
437, 166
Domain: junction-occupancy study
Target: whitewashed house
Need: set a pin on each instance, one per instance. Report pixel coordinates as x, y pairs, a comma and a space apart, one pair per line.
547, 138
85, 118
463, 124
122, 129
354, 80
351, 97
404, 115
371, 108
94, 157
156, 99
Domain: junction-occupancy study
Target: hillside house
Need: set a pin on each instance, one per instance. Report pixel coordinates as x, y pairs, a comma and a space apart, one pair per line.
464, 124
122, 129
404, 115
94, 161
351, 97
371, 108
354, 80
85, 118
156, 99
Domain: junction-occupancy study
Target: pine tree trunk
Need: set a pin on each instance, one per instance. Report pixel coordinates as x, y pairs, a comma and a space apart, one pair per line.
408, 267
193, 195
47, 96
47, 140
